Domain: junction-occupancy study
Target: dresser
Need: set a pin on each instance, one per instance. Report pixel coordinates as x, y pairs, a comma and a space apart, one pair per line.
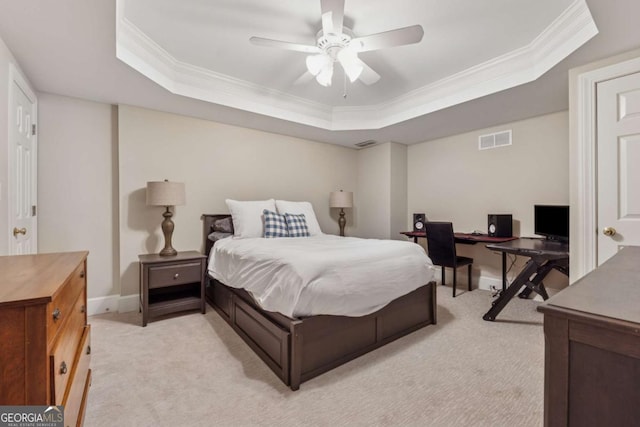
592, 347
44, 335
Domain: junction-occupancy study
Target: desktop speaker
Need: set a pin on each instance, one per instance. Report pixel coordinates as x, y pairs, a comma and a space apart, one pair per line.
418, 221
500, 225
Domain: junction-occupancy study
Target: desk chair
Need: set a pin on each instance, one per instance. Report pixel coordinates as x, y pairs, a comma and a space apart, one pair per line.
442, 250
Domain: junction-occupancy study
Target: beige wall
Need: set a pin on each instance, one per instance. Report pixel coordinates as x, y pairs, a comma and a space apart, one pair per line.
446, 178
215, 161
77, 182
398, 220
372, 201
381, 197
451, 180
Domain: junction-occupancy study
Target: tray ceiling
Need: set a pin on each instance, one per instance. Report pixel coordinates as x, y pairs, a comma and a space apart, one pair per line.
200, 49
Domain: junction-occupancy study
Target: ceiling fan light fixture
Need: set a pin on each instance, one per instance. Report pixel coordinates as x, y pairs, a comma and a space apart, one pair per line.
325, 76
317, 63
350, 63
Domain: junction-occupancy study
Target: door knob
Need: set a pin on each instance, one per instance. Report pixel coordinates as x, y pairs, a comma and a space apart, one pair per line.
609, 231
17, 231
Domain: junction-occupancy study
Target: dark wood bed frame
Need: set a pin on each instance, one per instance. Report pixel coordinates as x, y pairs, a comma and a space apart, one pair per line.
298, 349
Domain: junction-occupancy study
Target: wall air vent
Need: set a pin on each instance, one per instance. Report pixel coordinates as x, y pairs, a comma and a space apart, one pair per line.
368, 143
494, 140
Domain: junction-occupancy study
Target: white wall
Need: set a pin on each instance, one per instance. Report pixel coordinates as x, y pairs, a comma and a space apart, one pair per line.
215, 161
451, 180
77, 182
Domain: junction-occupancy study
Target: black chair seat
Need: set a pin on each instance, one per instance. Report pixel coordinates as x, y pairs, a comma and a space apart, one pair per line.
463, 260
442, 250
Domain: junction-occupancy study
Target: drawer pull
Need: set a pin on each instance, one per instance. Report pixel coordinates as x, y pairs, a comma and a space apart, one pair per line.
83, 309
88, 349
175, 276
82, 274
63, 368
56, 314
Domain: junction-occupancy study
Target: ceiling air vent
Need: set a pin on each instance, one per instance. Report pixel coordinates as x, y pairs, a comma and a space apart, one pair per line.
494, 140
368, 143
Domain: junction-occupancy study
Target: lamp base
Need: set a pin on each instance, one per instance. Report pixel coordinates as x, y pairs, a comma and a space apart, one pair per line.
167, 230
168, 252
342, 222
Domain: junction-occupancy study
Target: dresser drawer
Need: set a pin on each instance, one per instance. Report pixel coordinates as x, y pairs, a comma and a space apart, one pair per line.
61, 305
65, 348
74, 402
169, 275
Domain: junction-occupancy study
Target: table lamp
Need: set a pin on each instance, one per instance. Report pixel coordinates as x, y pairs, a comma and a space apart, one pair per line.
167, 194
341, 199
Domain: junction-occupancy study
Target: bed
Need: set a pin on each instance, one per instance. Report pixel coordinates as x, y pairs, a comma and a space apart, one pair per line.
298, 348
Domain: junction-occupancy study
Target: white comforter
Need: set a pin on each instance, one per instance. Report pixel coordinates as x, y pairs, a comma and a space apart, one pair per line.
322, 274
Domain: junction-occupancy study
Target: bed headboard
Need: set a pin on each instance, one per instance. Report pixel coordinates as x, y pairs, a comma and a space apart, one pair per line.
207, 228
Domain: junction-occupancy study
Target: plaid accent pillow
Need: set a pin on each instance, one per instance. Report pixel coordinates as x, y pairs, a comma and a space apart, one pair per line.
275, 224
297, 225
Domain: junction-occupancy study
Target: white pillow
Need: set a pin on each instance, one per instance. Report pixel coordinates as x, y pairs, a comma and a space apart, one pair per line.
247, 216
301, 208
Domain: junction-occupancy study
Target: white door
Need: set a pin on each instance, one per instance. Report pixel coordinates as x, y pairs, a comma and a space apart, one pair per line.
618, 164
22, 169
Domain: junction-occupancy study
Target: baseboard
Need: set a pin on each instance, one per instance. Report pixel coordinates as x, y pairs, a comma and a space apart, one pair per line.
129, 303
101, 305
112, 303
116, 303
486, 283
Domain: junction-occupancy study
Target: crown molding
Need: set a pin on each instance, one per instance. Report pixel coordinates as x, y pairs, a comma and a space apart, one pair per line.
569, 31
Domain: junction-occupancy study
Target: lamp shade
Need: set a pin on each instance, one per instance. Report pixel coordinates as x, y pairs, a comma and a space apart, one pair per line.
165, 193
341, 199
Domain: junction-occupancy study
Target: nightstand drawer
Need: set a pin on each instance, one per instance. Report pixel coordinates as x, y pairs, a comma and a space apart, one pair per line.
169, 275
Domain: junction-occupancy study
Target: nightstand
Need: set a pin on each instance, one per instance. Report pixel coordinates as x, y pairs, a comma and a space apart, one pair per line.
171, 283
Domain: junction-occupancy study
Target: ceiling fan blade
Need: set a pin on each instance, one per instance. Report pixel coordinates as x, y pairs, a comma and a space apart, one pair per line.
368, 75
259, 41
304, 79
336, 9
327, 23
399, 37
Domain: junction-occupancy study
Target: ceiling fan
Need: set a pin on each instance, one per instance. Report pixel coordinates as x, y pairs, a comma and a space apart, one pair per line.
337, 43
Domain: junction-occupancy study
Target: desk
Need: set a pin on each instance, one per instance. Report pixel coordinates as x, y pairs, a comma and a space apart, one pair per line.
544, 256
464, 238
472, 239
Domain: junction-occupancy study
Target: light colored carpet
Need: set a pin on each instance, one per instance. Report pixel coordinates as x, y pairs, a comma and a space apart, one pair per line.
193, 370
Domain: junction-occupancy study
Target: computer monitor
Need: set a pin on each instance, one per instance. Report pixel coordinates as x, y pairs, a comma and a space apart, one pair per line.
552, 222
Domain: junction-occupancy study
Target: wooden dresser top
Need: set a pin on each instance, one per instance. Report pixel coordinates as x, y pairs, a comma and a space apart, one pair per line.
611, 290
35, 278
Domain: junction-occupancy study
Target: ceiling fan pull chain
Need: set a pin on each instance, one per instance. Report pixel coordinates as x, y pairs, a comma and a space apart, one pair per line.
344, 92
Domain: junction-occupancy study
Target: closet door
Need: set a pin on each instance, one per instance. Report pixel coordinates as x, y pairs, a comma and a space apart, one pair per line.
22, 181
618, 157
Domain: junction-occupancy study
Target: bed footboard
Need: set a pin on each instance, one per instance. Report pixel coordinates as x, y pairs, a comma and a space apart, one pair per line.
297, 350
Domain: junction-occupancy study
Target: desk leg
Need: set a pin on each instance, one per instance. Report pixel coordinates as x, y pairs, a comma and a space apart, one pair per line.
538, 266
505, 296
415, 240
504, 271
